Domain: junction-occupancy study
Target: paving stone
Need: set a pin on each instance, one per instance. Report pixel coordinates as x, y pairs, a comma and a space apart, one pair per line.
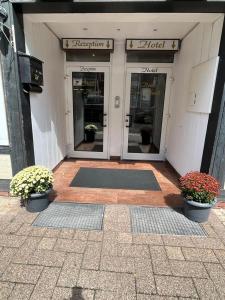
188, 269
156, 297
110, 236
28, 247
203, 255
70, 271
25, 229
217, 274
67, 233
3, 226
143, 267
12, 228
22, 273
124, 237
5, 289
148, 239
12, 241
96, 236
160, 261
146, 284
92, 256
209, 229
38, 231
67, 245
207, 243
117, 264
175, 286
68, 277
52, 232
133, 250
75, 293
47, 243
81, 235
206, 289
220, 254
106, 295
109, 248
46, 284
174, 253
109, 281
21, 292
47, 258
6, 256
25, 217
73, 260
180, 241
62, 293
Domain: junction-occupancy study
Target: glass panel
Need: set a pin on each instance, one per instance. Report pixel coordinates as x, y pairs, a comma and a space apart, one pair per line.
88, 111
150, 56
88, 56
147, 95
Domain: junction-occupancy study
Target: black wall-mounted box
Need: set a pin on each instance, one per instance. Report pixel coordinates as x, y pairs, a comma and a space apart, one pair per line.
31, 69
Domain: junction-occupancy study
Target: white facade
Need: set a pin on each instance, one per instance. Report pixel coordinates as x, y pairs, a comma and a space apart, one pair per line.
185, 131
5, 161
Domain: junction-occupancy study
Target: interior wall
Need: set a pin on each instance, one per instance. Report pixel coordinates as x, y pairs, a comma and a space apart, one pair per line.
187, 130
47, 108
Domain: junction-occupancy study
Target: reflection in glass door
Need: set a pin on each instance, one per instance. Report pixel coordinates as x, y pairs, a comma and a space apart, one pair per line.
146, 103
89, 112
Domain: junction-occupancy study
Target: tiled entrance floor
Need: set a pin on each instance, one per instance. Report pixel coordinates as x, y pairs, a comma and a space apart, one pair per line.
167, 178
113, 264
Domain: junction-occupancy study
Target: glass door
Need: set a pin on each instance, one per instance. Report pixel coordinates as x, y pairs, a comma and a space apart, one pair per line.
146, 113
88, 110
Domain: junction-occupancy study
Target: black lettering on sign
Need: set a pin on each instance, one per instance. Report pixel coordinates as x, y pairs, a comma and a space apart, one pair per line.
150, 70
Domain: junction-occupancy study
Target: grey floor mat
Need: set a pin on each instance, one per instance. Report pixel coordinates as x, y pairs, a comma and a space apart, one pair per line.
163, 221
71, 215
131, 179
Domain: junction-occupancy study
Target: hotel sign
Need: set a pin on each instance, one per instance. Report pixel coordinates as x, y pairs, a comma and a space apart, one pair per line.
152, 45
88, 44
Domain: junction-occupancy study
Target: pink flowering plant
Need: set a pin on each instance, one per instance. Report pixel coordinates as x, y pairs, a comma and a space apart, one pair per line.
199, 187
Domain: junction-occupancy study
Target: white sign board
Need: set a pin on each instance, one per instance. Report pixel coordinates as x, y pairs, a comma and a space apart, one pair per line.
133, 44
87, 44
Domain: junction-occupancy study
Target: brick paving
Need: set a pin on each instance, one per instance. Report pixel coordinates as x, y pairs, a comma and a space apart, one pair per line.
44, 263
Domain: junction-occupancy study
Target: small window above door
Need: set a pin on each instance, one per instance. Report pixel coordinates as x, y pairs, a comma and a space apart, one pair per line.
150, 56
88, 56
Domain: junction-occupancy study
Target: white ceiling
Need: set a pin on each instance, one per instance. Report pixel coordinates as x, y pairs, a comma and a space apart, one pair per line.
120, 25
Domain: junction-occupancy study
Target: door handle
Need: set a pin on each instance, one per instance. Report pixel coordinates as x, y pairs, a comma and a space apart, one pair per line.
129, 120
103, 121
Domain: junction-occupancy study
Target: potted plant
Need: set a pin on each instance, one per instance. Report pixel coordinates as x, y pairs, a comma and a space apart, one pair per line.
199, 191
33, 185
90, 131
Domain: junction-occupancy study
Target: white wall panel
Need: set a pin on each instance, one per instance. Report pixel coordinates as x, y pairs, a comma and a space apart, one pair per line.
47, 108
4, 140
187, 130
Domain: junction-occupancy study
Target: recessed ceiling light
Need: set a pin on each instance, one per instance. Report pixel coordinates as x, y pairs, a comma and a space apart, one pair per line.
85, 28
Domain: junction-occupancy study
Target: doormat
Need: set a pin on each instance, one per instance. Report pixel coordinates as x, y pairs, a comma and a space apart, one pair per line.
134, 149
71, 215
97, 148
163, 221
115, 179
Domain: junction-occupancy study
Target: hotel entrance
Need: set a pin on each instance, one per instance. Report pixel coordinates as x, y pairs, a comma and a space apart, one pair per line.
88, 96
146, 112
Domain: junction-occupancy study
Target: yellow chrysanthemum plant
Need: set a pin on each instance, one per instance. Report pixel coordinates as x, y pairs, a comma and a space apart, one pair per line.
34, 179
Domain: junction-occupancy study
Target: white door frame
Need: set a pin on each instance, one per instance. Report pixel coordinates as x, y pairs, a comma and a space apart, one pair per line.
147, 68
87, 67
